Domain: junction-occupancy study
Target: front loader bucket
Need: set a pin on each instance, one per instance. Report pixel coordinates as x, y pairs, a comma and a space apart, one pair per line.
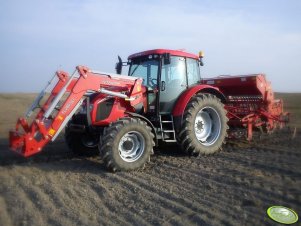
29, 141
24, 144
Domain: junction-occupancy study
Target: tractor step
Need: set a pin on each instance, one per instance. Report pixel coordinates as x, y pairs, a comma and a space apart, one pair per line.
167, 129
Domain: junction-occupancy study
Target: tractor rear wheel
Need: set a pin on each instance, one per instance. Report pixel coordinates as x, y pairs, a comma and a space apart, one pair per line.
80, 143
204, 126
126, 144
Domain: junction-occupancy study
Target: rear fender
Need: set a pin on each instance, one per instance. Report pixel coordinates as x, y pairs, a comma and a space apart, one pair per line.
184, 99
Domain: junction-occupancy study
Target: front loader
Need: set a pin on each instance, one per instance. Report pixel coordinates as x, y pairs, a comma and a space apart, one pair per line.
162, 99
67, 95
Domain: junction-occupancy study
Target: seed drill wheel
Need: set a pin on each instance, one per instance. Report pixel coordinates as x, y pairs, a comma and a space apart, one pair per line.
126, 144
204, 126
80, 143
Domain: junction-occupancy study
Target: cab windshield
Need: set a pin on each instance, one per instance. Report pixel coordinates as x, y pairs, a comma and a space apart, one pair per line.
147, 69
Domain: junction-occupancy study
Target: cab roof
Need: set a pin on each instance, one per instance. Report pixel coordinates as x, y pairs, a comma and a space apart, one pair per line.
162, 51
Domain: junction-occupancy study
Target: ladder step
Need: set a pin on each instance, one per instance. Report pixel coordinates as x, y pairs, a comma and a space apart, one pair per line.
171, 141
169, 129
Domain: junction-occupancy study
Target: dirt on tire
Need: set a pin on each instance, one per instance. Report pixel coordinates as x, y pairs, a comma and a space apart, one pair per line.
232, 187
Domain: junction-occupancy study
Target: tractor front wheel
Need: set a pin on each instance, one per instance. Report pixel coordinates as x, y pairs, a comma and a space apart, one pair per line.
204, 126
126, 144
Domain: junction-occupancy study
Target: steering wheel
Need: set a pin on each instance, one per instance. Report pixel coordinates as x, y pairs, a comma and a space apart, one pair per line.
153, 82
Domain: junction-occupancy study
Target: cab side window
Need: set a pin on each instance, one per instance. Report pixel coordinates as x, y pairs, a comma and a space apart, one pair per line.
193, 72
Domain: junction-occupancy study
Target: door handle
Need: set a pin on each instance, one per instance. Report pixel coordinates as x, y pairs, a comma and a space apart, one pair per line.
163, 86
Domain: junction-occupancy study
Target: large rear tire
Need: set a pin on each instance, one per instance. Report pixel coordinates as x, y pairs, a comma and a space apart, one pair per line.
126, 144
204, 126
80, 143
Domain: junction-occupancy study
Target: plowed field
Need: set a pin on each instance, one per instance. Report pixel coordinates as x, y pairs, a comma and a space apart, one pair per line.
233, 187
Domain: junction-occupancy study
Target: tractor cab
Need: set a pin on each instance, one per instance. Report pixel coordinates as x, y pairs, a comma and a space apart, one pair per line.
166, 74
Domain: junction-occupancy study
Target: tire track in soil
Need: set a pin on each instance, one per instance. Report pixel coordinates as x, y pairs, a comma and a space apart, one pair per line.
242, 163
219, 205
53, 189
51, 195
116, 209
215, 185
239, 183
263, 165
21, 202
261, 156
140, 195
5, 218
250, 170
76, 200
177, 204
202, 188
60, 197
254, 153
82, 201
221, 170
37, 198
250, 203
164, 210
98, 195
259, 151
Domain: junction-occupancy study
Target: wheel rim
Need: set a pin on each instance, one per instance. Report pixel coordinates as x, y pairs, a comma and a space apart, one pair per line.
207, 126
131, 146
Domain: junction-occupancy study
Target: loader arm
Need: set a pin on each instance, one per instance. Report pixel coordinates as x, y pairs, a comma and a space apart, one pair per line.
64, 100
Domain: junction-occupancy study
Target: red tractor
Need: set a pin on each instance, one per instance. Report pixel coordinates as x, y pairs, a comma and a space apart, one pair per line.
162, 99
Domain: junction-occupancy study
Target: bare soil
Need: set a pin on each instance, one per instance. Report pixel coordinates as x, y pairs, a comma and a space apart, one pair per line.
233, 187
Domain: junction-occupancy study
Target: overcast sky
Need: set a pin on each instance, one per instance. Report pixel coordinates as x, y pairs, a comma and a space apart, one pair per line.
238, 37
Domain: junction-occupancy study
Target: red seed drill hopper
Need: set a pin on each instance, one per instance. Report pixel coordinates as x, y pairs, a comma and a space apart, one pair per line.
250, 103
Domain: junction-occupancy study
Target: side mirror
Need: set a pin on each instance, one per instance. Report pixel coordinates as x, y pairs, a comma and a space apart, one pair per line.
166, 58
118, 66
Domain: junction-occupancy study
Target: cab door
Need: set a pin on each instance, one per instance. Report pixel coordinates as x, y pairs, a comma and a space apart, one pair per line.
147, 69
173, 83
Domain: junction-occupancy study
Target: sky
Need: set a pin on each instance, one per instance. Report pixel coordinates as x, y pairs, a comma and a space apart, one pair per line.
237, 36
